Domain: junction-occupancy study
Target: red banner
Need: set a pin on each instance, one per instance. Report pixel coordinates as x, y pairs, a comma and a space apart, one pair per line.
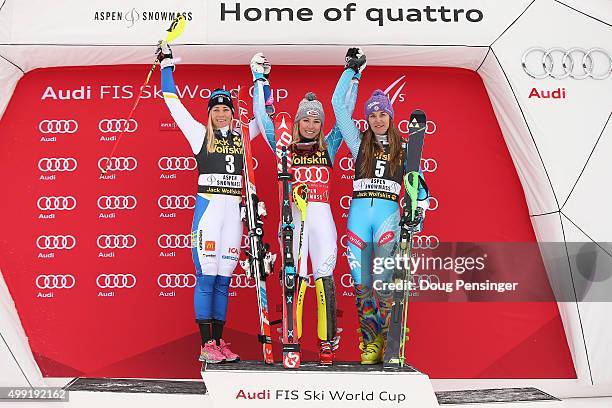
100, 267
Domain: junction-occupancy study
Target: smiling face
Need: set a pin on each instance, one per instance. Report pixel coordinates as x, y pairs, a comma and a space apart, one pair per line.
379, 122
310, 127
220, 116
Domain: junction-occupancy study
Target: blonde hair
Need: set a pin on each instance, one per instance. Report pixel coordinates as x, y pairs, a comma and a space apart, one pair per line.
210, 134
322, 145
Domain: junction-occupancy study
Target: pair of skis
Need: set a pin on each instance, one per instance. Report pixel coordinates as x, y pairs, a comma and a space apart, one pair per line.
290, 269
260, 262
395, 350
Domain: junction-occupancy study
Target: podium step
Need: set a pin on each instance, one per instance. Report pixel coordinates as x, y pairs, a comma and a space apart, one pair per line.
493, 395
137, 386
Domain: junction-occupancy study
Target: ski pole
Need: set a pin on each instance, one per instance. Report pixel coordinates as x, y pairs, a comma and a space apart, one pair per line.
176, 29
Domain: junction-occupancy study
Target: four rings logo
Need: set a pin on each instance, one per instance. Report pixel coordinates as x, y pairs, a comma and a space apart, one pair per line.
343, 241
345, 202
404, 127
177, 163
116, 241
116, 281
57, 164
119, 202
425, 242
117, 125
174, 241
244, 243
55, 281
429, 165
559, 63
55, 242
58, 126
56, 203
240, 281
433, 203
347, 164
176, 202
313, 174
117, 163
347, 280
176, 280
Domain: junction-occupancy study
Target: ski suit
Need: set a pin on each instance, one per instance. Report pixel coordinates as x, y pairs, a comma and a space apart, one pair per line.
373, 220
216, 231
320, 237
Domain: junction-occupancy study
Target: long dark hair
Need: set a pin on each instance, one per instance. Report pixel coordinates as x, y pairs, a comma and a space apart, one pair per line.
372, 146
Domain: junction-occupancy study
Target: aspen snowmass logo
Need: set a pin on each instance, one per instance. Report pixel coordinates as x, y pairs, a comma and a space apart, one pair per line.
133, 16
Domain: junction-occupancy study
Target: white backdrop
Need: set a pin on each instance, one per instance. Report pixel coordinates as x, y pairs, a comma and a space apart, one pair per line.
562, 148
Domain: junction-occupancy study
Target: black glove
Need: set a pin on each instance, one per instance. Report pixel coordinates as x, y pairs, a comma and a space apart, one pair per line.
163, 51
415, 223
355, 60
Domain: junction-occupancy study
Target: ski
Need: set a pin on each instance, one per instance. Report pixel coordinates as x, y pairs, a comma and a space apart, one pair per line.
288, 273
395, 350
260, 262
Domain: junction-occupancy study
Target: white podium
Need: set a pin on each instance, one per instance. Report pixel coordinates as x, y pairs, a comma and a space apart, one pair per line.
254, 384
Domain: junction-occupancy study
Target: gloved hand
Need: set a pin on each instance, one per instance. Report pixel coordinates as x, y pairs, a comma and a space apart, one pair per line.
416, 224
164, 55
355, 60
260, 67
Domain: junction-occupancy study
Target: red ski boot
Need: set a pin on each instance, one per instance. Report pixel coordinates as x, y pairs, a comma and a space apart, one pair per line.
326, 355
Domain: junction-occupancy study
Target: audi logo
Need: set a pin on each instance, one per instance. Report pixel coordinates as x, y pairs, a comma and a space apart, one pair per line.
255, 163
118, 202
347, 280
55, 281
416, 279
433, 125
176, 280
433, 203
116, 241
361, 124
58, 126
176, 202
117, 125
404, 127
177, 163
174, 241
343, 241
240, 281
347, 164
312, 174
116, 281
429, 165
55, 242
245, 241
57, 164
117, 163
559, 63
345, 202
56, 203
425, 242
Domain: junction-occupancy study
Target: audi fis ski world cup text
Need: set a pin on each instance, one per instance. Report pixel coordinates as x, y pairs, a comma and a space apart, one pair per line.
126, 92
313, 395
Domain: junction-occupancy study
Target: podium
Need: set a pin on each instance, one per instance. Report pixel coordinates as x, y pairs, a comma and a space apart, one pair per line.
344, 384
